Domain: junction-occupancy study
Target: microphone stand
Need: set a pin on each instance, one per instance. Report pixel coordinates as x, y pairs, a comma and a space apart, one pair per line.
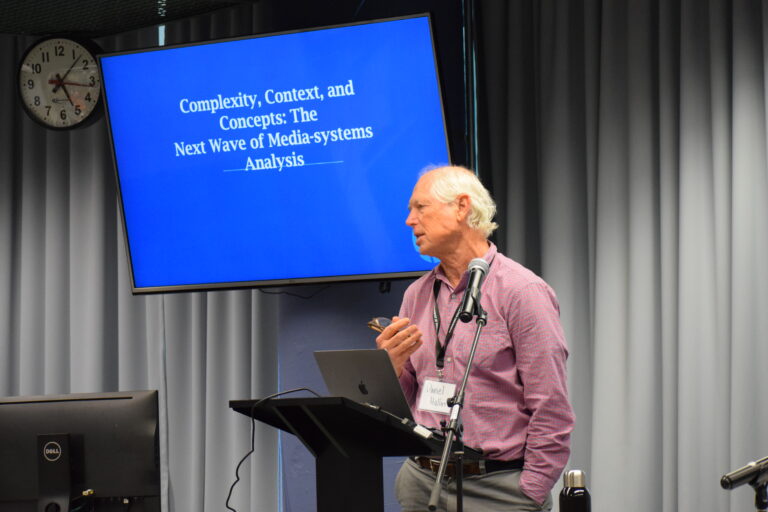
761, 495
452, 429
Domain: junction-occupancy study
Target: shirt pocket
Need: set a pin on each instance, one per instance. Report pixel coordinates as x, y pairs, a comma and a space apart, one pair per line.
494, 340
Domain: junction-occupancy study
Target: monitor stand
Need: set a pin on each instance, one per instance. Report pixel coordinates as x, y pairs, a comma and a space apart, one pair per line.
54, 473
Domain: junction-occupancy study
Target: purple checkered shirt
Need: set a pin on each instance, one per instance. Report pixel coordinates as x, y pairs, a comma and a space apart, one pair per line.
516, 404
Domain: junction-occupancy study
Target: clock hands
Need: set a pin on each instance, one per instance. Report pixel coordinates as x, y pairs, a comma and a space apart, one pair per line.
68, 97
61, 83
61, 79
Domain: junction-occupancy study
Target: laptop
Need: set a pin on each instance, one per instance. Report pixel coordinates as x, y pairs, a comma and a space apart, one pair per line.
365, 376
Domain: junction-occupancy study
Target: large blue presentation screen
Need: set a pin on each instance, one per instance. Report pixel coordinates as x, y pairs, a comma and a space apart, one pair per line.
275, 159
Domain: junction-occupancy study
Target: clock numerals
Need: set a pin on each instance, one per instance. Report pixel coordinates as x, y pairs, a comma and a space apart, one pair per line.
59, 83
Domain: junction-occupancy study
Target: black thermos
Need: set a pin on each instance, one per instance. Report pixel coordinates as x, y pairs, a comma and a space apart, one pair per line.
575, 497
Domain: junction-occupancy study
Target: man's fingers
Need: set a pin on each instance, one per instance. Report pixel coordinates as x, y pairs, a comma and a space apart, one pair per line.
405, 343
400, 339
393, 333
393, 328
404, 336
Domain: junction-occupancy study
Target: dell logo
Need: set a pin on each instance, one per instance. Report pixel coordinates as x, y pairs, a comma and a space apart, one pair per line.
52, 451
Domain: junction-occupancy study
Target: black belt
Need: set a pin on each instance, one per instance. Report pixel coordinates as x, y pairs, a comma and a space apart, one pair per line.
469, 466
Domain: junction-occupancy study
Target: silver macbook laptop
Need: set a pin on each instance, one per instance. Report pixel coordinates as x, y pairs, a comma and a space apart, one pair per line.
363, 375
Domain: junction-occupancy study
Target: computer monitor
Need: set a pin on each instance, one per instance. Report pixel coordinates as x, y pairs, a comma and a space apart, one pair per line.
93, 452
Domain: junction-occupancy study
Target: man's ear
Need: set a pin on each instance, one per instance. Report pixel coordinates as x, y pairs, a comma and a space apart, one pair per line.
463, 206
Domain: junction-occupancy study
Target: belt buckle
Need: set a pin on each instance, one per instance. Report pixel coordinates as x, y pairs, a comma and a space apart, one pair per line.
434, 465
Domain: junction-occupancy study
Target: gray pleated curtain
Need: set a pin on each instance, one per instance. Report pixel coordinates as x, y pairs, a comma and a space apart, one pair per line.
626, 142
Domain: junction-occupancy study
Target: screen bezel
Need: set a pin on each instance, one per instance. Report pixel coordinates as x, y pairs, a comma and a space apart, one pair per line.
233, 285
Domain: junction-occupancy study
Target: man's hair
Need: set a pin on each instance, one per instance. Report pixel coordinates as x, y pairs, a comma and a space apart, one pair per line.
450, 182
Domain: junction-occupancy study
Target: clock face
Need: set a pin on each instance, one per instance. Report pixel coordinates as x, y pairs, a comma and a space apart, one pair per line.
59, 83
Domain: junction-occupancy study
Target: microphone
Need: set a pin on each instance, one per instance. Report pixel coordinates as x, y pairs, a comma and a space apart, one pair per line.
746, 474
478, 267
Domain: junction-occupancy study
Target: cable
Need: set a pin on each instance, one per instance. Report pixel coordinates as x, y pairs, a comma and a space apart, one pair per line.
87, 498
357, 11
253, 437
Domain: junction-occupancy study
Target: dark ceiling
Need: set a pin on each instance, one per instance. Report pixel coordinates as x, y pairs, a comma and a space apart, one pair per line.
94, 18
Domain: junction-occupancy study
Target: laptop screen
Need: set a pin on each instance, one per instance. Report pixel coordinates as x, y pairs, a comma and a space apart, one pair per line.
365, 376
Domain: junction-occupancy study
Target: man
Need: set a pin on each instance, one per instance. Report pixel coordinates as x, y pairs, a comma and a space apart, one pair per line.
516, 408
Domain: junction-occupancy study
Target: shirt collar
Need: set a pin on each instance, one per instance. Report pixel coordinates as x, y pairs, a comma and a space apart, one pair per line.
438, 273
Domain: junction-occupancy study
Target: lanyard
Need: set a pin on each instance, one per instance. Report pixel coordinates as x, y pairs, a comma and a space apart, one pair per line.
440, 349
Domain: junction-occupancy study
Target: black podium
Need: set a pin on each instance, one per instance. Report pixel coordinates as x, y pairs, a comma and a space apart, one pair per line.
348, 441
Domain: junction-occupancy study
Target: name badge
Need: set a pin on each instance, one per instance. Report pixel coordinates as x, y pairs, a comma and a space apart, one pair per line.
434, 396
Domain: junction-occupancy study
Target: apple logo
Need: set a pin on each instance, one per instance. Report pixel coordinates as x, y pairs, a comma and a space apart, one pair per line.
362, 388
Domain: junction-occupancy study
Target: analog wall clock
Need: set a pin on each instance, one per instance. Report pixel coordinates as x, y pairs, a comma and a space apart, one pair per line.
59, 83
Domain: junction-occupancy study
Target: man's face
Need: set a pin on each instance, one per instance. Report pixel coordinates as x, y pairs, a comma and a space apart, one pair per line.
435, 224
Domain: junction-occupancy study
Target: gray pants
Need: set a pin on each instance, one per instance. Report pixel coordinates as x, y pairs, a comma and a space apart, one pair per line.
493, 492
